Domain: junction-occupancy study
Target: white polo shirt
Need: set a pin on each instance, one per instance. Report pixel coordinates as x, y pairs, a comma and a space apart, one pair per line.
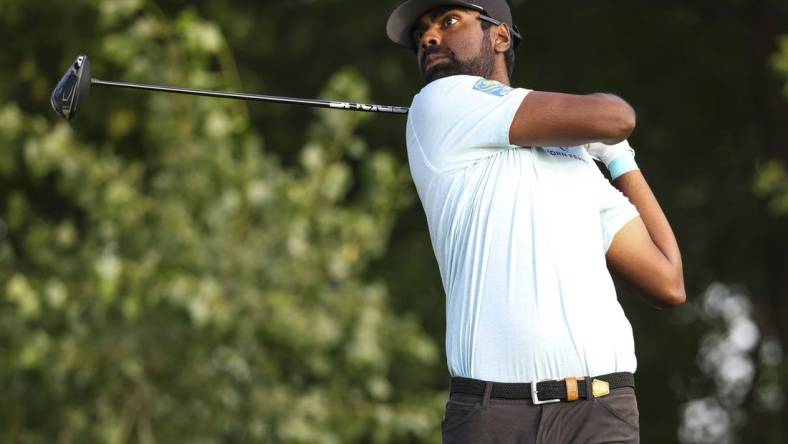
520, 236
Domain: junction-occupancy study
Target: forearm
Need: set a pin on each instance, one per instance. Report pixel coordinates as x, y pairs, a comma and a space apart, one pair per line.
555, 119
634, 186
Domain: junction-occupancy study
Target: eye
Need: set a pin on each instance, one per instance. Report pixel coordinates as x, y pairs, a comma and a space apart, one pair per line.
450, 21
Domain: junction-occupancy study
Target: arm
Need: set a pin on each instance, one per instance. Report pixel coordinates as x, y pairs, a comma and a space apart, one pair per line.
555, 119
645, 250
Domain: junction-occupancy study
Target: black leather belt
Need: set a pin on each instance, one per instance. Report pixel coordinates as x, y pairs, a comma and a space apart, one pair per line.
541, 392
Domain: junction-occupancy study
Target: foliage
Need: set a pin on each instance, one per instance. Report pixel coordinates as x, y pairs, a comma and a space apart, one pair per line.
772, 183
166, 279
772, 180
183, 269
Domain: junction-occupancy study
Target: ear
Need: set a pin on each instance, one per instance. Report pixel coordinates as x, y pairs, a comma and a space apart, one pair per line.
503, 38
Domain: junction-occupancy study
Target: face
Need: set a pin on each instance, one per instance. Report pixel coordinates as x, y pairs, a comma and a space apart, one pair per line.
450, 41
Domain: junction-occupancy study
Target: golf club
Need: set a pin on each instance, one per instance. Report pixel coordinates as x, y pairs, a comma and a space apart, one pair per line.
72, 91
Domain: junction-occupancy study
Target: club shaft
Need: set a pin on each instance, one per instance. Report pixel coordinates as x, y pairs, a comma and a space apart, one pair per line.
258, 97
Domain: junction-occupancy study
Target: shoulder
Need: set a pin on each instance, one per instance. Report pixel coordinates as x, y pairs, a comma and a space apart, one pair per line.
443, 90
461, 95
462, 87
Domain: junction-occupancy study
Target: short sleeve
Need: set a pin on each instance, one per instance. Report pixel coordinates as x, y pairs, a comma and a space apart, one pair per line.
615, 209
458, 120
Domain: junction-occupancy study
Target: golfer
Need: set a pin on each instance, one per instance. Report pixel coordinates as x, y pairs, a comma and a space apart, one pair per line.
524, 227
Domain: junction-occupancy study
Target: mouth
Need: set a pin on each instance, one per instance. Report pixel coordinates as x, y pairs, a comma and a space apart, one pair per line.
433, 59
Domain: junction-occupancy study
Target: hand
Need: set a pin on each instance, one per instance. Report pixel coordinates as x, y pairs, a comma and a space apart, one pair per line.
619, 159
608, 153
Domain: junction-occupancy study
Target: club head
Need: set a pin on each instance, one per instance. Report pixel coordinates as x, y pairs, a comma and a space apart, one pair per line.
73, 89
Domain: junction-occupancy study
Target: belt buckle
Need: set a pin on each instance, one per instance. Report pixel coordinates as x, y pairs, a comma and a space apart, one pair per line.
535, 397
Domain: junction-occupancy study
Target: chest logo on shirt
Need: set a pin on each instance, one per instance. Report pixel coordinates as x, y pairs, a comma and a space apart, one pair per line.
565, 153
492, 87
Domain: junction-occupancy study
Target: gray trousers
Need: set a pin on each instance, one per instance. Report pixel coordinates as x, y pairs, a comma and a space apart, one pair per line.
480, 420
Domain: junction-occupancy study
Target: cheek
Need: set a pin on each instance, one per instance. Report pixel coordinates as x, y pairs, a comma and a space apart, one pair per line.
466, 50
467, 45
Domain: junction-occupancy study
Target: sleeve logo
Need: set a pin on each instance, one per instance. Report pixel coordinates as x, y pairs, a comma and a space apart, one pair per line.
567, 153
492, 87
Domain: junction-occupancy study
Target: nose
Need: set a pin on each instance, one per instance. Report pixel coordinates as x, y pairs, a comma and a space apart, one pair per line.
431, 37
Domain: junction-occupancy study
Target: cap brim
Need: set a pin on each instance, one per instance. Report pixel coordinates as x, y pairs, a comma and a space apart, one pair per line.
403, 18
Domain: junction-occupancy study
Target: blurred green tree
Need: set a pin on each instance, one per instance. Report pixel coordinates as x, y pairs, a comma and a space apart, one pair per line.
711, 119
772, 181
172, 281
771, 184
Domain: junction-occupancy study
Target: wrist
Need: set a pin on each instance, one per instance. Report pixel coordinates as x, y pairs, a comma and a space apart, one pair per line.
622, 164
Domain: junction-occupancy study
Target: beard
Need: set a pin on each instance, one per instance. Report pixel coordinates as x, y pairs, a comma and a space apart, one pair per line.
482, 64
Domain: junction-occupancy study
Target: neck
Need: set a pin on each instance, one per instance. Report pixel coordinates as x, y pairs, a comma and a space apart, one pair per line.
502, 79
501, 74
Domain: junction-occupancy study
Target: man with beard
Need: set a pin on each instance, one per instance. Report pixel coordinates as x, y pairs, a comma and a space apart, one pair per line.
524, 226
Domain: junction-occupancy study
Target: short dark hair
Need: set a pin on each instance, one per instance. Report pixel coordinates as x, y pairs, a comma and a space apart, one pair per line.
508, 55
